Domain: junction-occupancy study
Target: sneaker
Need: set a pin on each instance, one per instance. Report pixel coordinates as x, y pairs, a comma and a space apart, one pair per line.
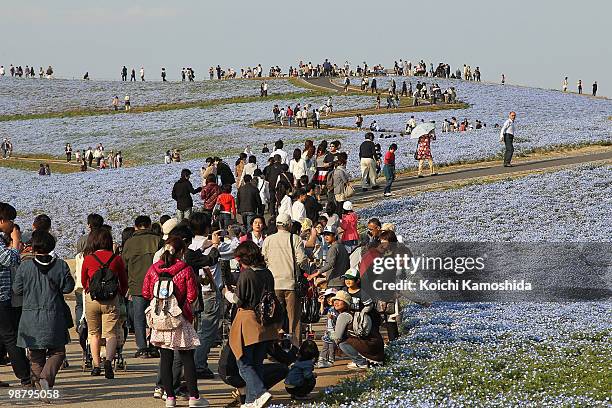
96, 371
158, 392
4, 384
205, 374
389, 194
108, 370
152, 352
356, 367
249, 405
263, 400
170, 402
199, 402
142, 353
65, 364
421, 176
323, 364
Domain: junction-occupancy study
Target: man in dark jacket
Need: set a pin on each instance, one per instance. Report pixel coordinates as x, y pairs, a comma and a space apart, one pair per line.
248, 201
137, 255
273, 172
367, 152
312, 205
181, 193
224, 172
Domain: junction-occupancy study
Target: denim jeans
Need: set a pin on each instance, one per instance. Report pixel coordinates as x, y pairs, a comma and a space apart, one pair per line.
208, 328
352, 353
247, 217
78, 308
139, 304
183, 214
225, 220
250, 367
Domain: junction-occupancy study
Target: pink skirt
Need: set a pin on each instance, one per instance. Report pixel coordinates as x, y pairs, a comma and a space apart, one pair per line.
182, 338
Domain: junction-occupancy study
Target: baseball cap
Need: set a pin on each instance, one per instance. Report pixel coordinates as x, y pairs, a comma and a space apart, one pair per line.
283, 219
330, 291
306, 224
352, 274
330, 229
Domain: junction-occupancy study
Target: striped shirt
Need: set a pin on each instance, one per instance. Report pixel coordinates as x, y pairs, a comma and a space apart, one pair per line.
9, 257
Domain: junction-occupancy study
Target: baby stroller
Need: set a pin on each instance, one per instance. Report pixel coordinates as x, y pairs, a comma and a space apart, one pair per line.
311, 312
119, 363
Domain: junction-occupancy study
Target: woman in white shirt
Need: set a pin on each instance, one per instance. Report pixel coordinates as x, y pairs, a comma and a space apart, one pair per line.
286, 204
297, 165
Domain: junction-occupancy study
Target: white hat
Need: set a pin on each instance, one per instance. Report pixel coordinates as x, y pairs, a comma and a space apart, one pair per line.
283, 219
347, 206
169, 226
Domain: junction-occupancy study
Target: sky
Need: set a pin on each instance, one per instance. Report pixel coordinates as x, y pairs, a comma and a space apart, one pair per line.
535, 43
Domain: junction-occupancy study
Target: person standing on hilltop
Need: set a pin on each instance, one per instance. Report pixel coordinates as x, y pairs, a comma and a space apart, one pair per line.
595, 88
506, 136
133, 75
124, 73
142, 74
163, 74
580, 86
565, 84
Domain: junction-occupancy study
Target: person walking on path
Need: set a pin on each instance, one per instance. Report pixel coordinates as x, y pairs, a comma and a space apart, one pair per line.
137, 255
182, 339
43, 328
389, 169
424, 153
506, 136
595, 88
367, 152
102, 303
181, 193
565, 84
10, 242
580, 86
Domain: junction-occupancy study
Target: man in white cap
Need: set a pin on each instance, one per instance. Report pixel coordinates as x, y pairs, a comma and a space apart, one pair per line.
285, 256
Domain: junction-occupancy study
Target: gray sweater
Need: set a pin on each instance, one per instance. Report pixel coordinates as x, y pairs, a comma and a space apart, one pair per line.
337, 262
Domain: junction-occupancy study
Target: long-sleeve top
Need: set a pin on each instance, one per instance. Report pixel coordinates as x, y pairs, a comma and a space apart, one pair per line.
91, 266
251, 285
183, 278
227, 203
390, 158
349, 227
507, 128
285, 206
181, 193
9, 258
337, 262
297, 168
279, 258
367, 150
298, 211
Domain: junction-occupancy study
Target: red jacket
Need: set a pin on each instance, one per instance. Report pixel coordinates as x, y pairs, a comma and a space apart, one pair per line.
227, 202
185, 287
349, 225
91, 266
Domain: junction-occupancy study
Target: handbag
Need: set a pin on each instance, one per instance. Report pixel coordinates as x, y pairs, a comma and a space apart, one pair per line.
301, 283
349, 190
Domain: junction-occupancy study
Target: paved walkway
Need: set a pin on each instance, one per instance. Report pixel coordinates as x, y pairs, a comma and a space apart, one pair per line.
133, 388
410, 181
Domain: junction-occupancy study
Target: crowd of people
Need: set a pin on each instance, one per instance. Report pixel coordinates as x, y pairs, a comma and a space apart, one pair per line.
27, 72
204, 278
97, 158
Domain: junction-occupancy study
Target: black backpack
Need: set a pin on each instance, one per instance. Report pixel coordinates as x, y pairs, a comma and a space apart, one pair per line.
269, 309
104, 285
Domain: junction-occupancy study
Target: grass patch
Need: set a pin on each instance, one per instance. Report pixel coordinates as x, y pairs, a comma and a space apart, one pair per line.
158, 107
34, 165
